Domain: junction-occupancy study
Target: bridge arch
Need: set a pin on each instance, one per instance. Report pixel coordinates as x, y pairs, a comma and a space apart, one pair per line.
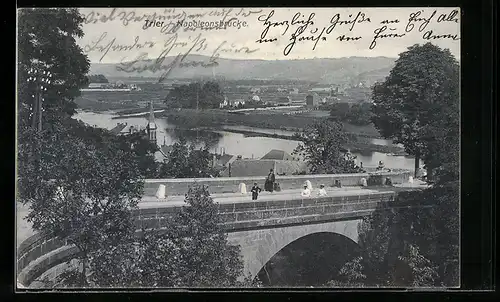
312, 260
260, 245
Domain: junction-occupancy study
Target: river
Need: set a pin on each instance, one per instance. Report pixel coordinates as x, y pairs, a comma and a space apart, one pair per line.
236, 143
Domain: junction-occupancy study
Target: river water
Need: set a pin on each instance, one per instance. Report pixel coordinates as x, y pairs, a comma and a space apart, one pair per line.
236, 143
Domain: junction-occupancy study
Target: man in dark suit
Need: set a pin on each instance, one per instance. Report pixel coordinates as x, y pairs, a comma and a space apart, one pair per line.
255, 191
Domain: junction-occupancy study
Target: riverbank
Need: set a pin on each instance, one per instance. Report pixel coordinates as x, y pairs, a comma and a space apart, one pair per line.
213, 118
219, 120
361, 145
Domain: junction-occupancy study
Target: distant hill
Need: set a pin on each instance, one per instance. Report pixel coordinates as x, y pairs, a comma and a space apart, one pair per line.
339, 71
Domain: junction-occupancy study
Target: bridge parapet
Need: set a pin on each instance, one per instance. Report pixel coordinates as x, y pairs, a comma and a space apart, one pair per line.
179, 186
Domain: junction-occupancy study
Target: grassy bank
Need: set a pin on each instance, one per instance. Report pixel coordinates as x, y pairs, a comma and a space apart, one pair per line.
189, 118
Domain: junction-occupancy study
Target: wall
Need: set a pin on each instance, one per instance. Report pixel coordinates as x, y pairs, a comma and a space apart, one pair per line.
289, 167
231, 184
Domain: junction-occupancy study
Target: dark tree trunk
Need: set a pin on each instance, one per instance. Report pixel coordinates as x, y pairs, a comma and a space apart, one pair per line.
429, 173
417, 164
84, 272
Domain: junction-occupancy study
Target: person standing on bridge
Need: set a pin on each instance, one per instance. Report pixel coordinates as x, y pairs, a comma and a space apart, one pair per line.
305, 192
269, 184
321, 191
255, 191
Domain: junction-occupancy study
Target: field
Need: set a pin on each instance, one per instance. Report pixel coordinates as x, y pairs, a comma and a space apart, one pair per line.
105, 100
137, 101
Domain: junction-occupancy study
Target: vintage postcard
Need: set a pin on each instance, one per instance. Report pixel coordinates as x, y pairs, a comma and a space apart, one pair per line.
238, 147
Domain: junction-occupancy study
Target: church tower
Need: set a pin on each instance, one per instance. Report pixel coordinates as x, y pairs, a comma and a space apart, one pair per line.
151, 127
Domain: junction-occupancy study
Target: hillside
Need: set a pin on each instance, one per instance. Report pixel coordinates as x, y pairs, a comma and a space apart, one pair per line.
324, 71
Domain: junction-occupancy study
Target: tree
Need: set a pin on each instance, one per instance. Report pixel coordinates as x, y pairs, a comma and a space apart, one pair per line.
409, 247
191, 251
207, 257
212, 95
339, 111
359, 114
83, 193
417, 105
196, 96
80, 183
185, 161
145, 153
322, 147
97, 78
46, 38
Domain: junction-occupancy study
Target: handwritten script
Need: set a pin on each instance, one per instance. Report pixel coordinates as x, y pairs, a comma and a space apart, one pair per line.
162, 40
353, 27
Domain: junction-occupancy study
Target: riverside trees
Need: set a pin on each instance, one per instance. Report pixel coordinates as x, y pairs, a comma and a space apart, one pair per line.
196, 95
185, 161
418, 106
322, 148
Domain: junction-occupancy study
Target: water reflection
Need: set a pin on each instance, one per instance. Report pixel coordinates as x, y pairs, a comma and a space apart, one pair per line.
236, 143
200, 138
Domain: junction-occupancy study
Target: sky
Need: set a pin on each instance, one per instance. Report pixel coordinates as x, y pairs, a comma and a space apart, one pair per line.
120, 34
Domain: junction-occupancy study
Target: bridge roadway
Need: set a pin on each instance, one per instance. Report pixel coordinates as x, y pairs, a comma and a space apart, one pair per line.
261, 227
227, 198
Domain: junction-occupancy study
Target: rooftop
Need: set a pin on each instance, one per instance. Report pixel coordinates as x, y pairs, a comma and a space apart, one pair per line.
278, 155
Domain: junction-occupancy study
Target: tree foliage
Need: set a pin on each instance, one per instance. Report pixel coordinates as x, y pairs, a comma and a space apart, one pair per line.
418, 106
356, 114
82, 192
185, 161
46, 38
97, 78
191, 251
80, 182
196, 95
322, 147
409, 247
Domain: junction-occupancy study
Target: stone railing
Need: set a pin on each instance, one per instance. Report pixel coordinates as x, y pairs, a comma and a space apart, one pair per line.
41, 252
179, 186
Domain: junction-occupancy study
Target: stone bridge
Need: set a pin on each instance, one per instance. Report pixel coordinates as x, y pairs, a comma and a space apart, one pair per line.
262, 227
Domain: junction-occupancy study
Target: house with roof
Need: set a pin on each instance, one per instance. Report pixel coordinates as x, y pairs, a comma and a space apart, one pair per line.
275, 154
126, 129
261, 167
231, 103
278, 160
282, 100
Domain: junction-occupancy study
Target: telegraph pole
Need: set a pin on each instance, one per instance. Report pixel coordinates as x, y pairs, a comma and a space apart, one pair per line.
41, 79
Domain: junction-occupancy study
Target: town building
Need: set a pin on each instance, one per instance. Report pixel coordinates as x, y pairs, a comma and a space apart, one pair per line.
126, 129
282, 100
232, 103
278, 160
